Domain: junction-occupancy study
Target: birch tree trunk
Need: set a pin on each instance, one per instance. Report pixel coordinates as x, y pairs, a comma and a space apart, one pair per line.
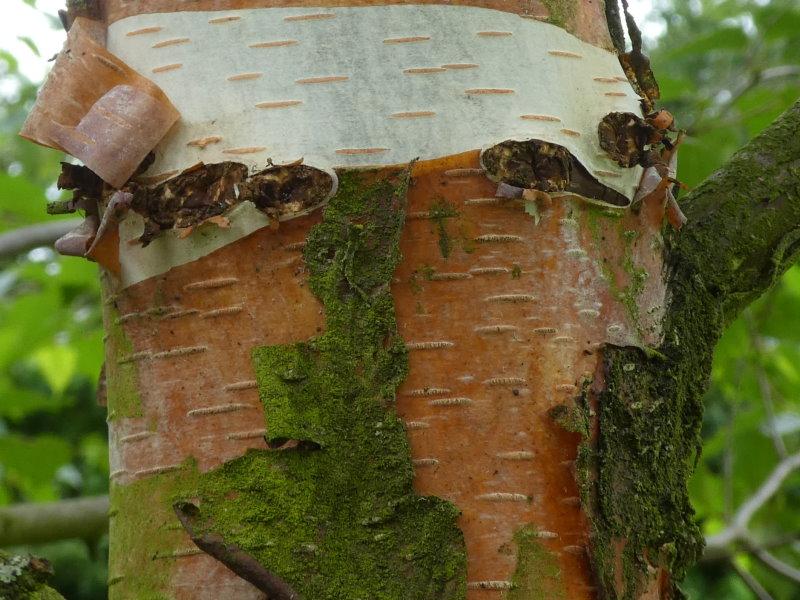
372, 375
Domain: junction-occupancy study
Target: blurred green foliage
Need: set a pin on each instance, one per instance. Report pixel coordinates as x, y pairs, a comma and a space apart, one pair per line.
53, 441
726, 67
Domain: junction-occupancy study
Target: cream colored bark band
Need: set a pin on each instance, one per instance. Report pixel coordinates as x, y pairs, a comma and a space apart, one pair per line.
374, 85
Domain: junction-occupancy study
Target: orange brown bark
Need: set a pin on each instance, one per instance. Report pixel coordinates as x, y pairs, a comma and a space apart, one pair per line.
505, 328
589, 22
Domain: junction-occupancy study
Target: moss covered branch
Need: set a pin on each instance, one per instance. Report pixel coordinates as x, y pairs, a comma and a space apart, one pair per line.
743, 232
743, 227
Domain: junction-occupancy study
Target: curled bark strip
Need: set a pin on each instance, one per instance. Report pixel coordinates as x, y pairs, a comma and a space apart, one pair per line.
97, 108
546, 167
637, 65
233, 557
204, 192
77, 241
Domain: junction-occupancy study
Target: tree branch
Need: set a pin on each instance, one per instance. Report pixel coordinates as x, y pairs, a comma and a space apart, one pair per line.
777, 565
37, 523
743, 228
751, 582
719, 545
16, 241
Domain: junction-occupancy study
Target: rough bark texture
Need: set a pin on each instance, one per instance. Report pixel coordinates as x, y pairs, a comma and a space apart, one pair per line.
742, 234
258, 385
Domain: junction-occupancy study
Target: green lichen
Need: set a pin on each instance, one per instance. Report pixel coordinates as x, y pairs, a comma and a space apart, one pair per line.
141, 517
25, 578
741, 235
121, 370
632, 476
337, 517
629, 292
634, 479
562, 13
439, 212
537, 576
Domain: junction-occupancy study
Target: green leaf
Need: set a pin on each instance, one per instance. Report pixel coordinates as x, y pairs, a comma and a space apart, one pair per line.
29, 43
57, 364
30, 464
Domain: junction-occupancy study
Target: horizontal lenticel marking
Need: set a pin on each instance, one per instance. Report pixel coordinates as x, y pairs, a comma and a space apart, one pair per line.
450, 402
244, 76
571, 132
211, 284
450, 276
540, 118
109, 63
246, 435
498, 238
495, 33
512, 298
216, 410
144, 31
279, 104
488, 91
220, 20
274, 44
172, 42
176, 352
311, 17
605, 79
436, 345
356, 151
564, 53
464, 172
413, 114
428, 391
482, 201
424, 70
407, 40
489, 270
456, 66
616, 94
504, 497
607, 174
516, 455
165, 68
157, 470
490, 585
326, 79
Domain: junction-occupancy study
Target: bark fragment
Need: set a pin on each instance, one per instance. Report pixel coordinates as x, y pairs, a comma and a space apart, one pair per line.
637, 65
97, 108
205, 192
546, 167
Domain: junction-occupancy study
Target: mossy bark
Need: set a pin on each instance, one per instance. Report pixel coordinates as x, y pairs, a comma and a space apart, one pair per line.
25, 578
743, 232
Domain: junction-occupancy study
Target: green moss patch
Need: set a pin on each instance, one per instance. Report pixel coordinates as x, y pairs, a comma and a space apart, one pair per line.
122, 377
537, 576
335, 516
